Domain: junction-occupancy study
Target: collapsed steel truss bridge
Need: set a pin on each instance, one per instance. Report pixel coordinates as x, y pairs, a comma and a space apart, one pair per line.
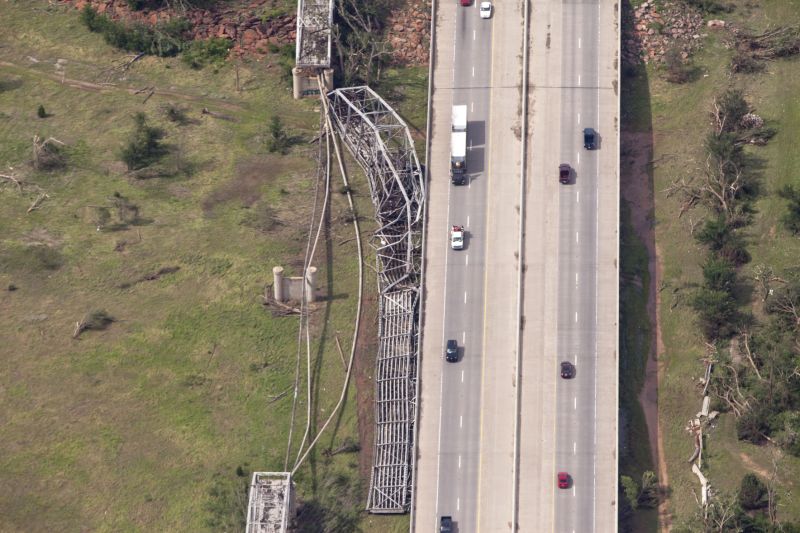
381, 143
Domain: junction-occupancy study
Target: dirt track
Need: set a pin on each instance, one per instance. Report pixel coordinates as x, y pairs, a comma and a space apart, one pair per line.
637, 190
100, 88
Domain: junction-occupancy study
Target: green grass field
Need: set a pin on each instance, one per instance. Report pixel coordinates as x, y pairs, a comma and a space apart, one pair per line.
155, 423
678, 117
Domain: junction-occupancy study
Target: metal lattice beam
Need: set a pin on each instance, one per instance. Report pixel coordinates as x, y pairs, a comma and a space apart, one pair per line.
314, 22
382, 144
271, 503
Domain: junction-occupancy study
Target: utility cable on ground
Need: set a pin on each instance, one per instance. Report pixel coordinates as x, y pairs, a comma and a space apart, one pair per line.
360, 283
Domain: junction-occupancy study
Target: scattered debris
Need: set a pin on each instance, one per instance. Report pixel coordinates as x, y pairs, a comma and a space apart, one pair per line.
97, 320
151, 277
783, 41
47, 153
220, 116
348, 446
658, 26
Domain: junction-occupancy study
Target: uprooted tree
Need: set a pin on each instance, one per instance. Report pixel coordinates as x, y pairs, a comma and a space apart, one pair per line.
48, 154
752, 50
97, 319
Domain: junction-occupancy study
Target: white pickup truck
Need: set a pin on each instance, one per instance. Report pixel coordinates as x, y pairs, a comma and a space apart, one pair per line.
457, 238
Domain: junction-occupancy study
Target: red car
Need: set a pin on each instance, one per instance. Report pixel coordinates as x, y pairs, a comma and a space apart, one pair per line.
466, 3
563, 480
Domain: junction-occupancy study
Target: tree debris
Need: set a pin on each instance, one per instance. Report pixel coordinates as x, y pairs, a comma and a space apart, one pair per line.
97, 320
151, 276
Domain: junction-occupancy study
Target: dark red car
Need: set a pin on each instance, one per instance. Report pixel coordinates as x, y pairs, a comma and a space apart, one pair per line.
563, 173
563, 480
466, 3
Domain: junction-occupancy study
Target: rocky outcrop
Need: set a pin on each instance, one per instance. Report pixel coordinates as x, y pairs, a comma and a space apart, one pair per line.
245, 23
652, 30
408, 32
241, 22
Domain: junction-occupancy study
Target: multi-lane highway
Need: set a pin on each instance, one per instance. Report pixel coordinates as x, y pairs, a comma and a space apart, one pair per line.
464, 298
465, 463
469, 466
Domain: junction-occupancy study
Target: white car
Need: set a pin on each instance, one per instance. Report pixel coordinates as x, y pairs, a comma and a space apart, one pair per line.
486, 10
457, 238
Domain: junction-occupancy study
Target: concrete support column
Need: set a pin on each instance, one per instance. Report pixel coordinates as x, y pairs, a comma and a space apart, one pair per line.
327, 77
311, 284
297, 83
277, 287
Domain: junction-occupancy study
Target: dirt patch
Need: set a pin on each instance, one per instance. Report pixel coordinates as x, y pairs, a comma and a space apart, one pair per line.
247, 186
751, 465
40, 237
637, 190
366, 348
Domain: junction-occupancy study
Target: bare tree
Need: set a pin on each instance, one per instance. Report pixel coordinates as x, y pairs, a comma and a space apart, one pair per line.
361, 47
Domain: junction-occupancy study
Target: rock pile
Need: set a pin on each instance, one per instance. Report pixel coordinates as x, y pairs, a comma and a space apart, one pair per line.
242, 23
408, 32
653, 30
408, 29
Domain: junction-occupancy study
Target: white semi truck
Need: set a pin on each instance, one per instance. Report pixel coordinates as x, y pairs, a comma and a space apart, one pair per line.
458, 145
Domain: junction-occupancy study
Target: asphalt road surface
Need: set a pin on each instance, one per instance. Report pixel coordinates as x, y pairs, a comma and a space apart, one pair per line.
571, 287
459, 429
465, 465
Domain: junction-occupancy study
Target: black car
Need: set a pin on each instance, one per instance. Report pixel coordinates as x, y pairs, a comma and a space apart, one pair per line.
451, 351
589, 139
446, 524
564, 171
567, 370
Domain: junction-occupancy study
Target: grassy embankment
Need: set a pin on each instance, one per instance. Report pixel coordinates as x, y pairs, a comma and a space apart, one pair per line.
156, 422
678, 116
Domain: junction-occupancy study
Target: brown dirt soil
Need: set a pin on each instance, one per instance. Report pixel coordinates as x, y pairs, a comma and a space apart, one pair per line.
751, 465
637, 190
246, 186
366, 349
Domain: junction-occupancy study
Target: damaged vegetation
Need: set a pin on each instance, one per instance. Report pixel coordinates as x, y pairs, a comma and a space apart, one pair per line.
753, 50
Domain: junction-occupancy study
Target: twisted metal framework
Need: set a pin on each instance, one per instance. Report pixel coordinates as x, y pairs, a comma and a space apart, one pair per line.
314, 22
381, 143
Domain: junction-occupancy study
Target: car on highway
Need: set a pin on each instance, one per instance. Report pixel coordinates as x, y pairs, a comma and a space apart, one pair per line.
563, 173
451, 351
446, 524
563, 480
457, 237
567, 370
589, 138
486, 10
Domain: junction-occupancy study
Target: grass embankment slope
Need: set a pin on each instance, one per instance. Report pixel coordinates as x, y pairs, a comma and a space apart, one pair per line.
155, 423
678, 116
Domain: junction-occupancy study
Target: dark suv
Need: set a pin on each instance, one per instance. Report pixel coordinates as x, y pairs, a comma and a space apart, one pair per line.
451, 351
446, 524
589, 139
567, 370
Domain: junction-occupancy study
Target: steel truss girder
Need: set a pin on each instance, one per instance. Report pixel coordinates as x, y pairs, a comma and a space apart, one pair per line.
381, 143
313, 43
